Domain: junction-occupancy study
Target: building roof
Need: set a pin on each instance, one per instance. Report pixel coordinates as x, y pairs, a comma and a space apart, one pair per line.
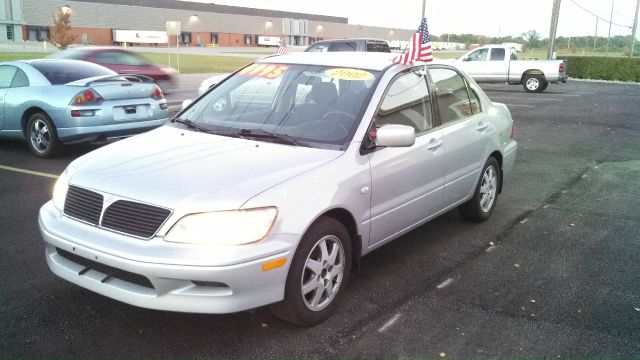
220, 9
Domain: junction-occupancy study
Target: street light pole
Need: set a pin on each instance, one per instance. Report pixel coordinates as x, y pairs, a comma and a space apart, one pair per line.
554, 27
635, 27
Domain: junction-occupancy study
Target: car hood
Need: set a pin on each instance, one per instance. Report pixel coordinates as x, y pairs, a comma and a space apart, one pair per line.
192, 172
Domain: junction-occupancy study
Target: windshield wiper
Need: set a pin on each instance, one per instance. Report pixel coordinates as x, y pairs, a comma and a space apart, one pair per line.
191, 125
262, 134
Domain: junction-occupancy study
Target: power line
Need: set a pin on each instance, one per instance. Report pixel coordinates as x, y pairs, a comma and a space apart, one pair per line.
598, 16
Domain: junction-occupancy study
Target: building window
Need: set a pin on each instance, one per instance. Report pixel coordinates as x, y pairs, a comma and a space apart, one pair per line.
247, 39
38, 33
10, 35
185, 38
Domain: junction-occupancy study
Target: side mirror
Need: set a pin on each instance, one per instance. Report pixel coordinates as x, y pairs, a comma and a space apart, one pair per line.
465, 59
186, 103
393, 135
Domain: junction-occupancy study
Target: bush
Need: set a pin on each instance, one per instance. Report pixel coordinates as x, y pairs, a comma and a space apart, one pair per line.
603, 68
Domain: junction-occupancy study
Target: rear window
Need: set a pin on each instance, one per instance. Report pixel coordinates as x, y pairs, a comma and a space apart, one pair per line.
62, 72
378, 46
343, 46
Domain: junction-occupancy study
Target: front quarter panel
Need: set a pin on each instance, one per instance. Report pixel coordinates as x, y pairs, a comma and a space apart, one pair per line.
343, 183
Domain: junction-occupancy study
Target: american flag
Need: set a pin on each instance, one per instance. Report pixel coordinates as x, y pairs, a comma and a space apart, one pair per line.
282, 49
419, 48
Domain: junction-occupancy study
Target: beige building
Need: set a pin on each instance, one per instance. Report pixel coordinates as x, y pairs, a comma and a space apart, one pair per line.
101, 22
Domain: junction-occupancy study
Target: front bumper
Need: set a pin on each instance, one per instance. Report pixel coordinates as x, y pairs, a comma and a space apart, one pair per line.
214, 289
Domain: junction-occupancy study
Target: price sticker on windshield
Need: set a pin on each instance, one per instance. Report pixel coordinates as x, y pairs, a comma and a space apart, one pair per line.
267, 71
349, 74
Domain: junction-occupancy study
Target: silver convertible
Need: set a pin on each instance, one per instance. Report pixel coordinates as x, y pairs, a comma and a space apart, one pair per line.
54, 102
270, 187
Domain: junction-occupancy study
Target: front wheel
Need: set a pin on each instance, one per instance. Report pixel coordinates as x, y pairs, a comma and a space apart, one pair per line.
318, 275
533, 83
485, 196
42, 138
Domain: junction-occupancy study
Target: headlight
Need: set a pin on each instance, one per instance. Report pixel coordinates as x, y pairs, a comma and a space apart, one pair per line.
235, 227
60, 189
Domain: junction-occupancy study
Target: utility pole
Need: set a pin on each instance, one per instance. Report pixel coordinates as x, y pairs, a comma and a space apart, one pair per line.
595, 38
635, 27
610, 23
554, 27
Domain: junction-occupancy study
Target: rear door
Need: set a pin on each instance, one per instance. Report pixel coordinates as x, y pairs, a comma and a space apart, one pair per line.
498, 65
406, 181
465, 131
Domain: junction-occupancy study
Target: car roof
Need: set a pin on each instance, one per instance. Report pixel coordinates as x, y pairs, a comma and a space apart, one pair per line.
353, 59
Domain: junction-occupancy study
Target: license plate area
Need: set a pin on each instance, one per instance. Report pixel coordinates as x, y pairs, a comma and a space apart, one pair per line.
132, 112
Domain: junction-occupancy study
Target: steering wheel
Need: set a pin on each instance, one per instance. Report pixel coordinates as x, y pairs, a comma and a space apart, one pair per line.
344, 117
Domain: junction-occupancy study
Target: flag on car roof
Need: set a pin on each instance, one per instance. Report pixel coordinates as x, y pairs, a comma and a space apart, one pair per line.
419, 47
282, 49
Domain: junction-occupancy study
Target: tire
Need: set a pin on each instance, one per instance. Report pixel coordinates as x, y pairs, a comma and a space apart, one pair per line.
533, 83
485, 196
544, 86
306, 300
41, 135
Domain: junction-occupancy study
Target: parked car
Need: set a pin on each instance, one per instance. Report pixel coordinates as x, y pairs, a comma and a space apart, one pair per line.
270, 187
51, 102
123, 62
369, 45
500, 64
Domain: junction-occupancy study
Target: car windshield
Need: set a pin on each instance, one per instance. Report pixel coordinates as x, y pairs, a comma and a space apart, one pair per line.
62, 72
309, 105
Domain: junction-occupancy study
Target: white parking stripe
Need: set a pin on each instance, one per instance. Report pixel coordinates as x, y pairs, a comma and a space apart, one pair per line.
389, 323
527, 106
29, 172
527, 99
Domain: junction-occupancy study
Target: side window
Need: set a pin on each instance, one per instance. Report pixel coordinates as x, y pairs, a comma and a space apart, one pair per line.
406, 103
377, 46
478, 55
6, 76
514, 54
454, 102
20, 79
343, 46
497, 54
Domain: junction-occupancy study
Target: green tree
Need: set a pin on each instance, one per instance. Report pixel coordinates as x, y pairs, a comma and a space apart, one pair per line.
532, 38
61, 35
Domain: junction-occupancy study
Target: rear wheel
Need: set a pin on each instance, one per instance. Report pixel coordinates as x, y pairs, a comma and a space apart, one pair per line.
544, 86
318, 275
42, 137
484, 199
533, 83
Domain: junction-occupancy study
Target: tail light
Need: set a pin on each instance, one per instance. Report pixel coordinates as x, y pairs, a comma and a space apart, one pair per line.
561, 68
87, 97
156, 94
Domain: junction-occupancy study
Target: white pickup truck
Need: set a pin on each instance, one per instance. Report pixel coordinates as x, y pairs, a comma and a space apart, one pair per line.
500, 64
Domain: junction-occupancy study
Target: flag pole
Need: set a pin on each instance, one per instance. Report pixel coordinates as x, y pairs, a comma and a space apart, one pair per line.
423, 8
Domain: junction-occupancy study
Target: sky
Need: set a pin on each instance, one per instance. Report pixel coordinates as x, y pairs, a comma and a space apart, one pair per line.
486, 17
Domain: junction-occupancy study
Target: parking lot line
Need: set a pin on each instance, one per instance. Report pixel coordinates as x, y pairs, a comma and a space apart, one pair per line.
527, 106
522, 98
29, 172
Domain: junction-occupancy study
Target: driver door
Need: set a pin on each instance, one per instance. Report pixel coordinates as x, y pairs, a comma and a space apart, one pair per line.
7, 73
475, 64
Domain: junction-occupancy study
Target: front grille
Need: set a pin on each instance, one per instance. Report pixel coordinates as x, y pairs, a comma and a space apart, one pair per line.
83, 204
108, 271
134, 218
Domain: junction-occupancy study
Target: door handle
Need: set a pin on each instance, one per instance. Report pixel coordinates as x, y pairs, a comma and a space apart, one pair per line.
434, 145
482, 126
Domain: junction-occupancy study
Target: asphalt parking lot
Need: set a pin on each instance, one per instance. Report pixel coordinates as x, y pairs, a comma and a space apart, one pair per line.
554, 272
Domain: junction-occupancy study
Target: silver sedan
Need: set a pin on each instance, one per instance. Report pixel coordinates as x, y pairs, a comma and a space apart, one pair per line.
270, 187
